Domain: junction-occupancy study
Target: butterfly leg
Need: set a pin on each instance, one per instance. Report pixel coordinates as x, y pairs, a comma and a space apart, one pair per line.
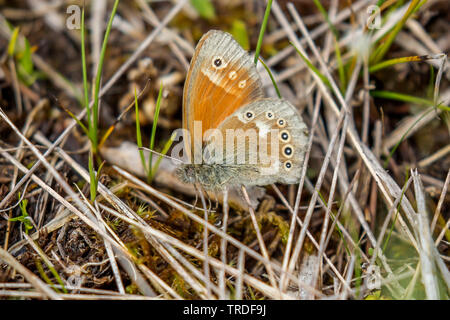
196, 195
200, 190
217, 201
207, 197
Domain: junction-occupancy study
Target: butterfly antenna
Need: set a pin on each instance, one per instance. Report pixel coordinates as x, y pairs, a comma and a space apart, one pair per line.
161, 155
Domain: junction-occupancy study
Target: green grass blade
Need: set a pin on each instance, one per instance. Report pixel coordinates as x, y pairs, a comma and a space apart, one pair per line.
271, 78
98, 77
262, 31
24, 217
93, 178
152, 137
49, 266
44, 275
341, 68
381, 51
406, 98
13, 41
100, 167
325, 16
358, 271
138, 133
74, 117
391, 62
166, 148
85, 82
312, 67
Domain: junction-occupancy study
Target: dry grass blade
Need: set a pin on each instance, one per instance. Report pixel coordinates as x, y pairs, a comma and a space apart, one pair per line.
31, 278
437, 212
427, 248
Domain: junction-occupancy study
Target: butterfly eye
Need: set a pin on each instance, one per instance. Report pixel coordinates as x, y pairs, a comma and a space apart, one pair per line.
249, 115
288, 165
218, 63
288, 151
285, 136
269, 115
281, 123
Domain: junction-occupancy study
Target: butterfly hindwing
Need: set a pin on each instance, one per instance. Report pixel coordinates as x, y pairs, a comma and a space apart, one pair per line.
279, 142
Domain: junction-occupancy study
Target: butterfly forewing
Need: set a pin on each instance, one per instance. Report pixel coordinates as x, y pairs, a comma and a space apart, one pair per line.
222, 78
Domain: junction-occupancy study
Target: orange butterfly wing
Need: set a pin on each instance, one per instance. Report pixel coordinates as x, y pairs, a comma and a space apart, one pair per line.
221, 79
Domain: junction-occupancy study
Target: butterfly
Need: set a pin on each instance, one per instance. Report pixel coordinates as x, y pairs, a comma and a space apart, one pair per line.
248, 139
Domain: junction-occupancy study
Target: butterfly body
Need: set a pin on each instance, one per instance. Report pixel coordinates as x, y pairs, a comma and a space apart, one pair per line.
248, 139
215, 176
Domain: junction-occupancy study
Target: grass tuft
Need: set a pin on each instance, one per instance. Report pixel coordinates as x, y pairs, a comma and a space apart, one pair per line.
92, 113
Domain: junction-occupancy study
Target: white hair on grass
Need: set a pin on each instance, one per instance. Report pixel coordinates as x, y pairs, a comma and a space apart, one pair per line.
361, 43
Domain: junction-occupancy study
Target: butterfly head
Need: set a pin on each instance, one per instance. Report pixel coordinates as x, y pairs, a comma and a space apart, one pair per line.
187, 173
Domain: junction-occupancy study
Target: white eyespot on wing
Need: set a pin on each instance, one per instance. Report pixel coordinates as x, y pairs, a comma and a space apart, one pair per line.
249, 115
218, 62
242, 84
232, 75
287, 165
269, 115
281, 123
288, 151
285, 136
